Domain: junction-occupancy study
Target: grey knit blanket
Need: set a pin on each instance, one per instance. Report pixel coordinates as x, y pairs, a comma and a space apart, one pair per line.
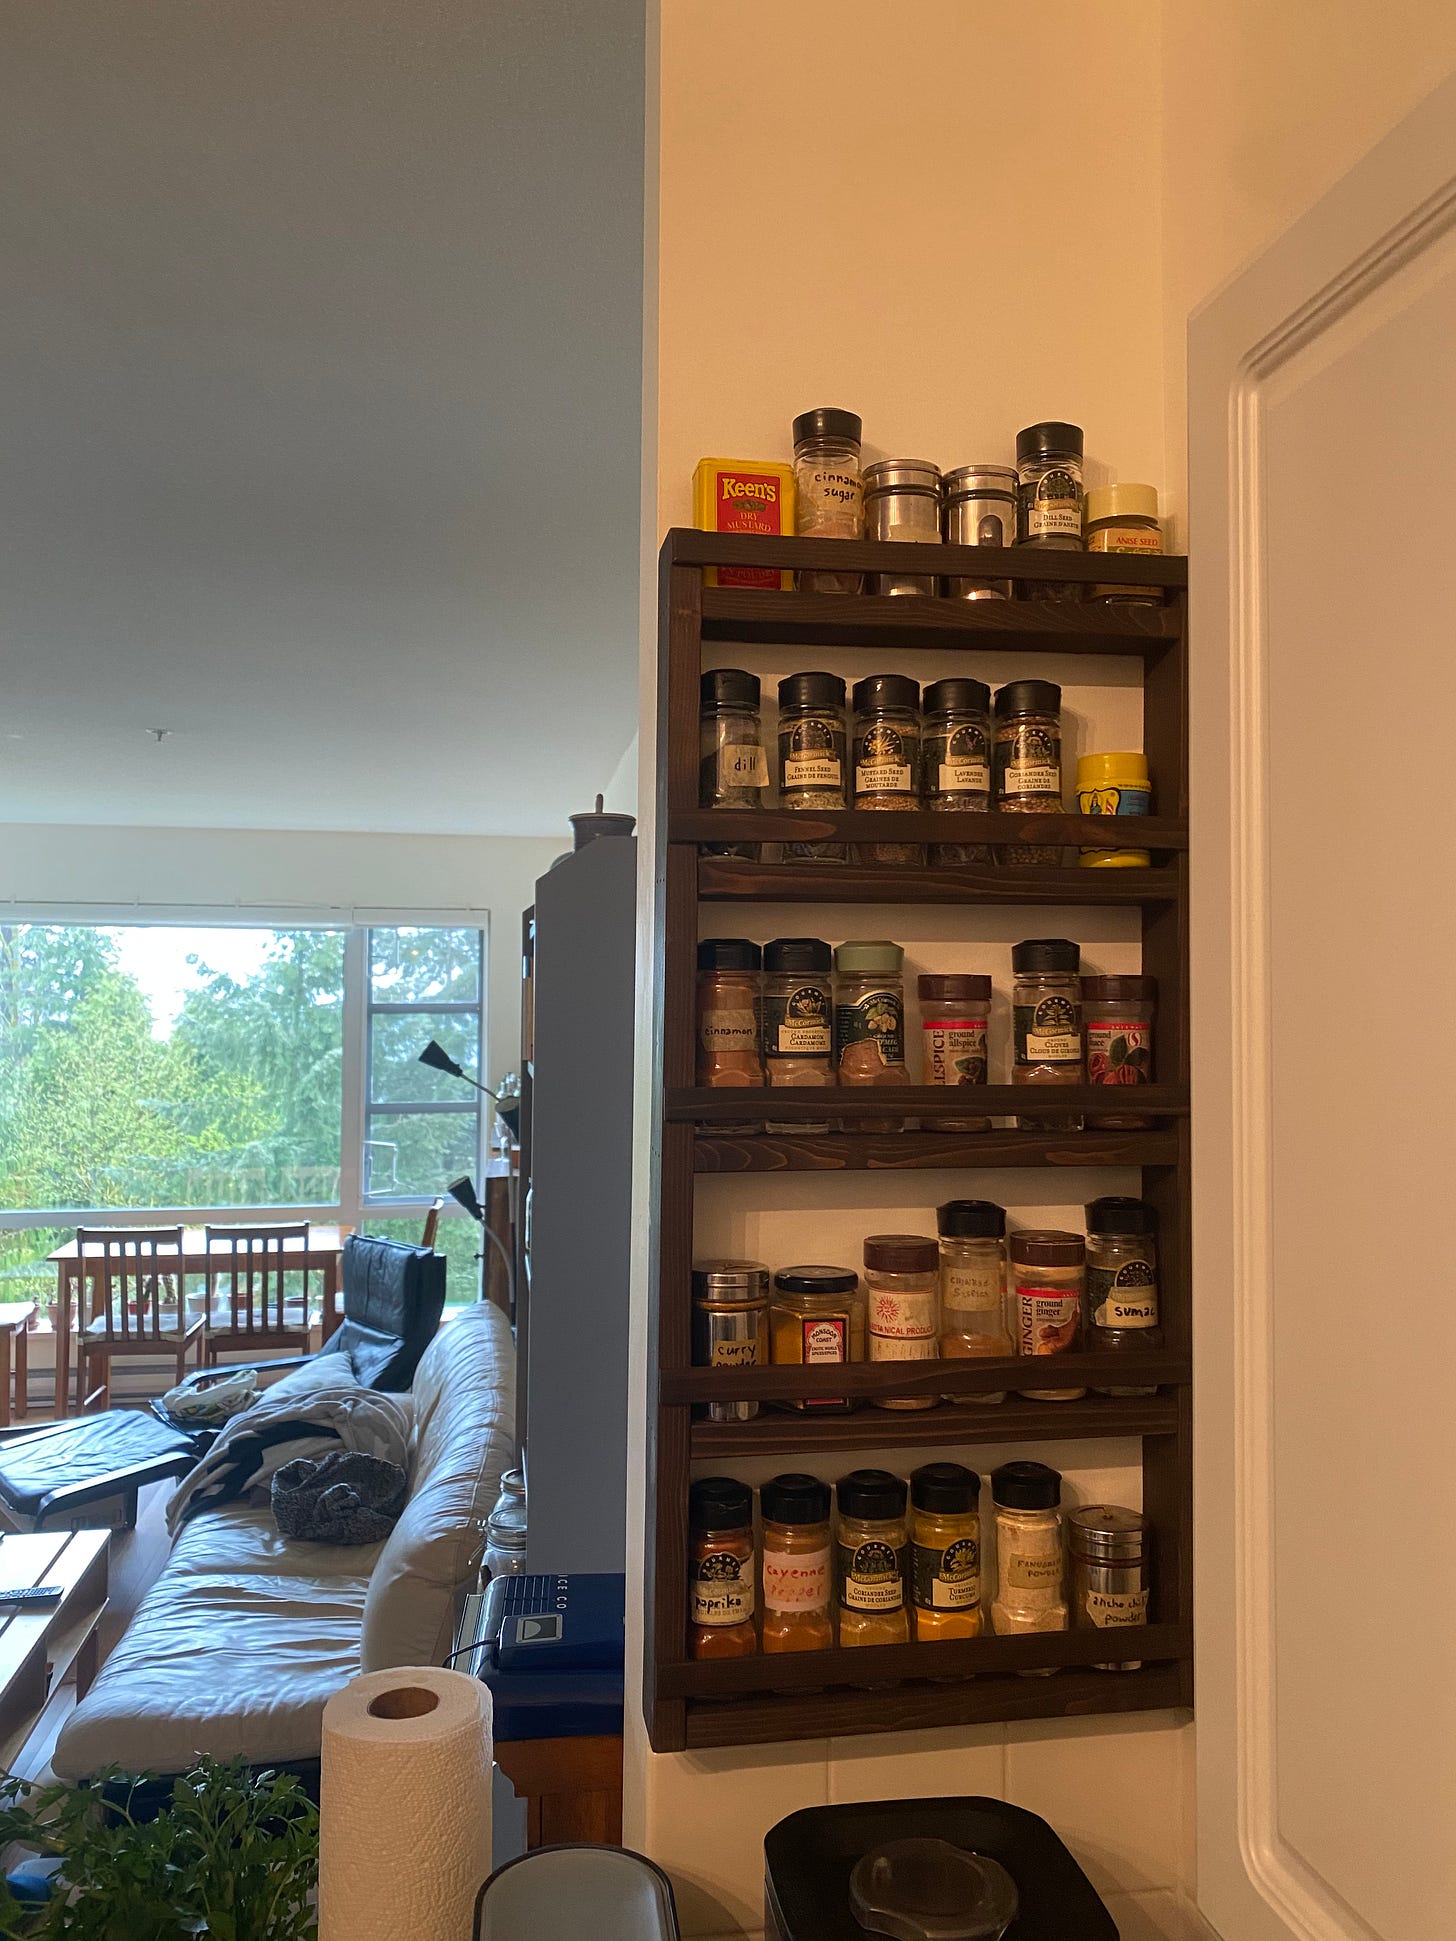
346, 1497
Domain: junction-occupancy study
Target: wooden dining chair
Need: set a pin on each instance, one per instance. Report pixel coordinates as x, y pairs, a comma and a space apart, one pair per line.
250, 1303
132, 1300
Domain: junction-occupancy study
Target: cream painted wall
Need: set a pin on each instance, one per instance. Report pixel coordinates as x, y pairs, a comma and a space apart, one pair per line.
1264, 107
222, 874
878, 209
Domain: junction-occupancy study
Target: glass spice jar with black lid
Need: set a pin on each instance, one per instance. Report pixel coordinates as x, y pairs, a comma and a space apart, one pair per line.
797, 1010
957, 760
1049, 498
829, 489
732, 767
721, 1569
728, 1033
1122, 1280
1046, 1023
887, 758
1028, 764
813, 750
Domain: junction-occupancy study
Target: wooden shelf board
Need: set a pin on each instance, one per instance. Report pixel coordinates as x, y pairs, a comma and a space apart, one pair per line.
684, 546
1066, 831
733, 1105
904, 624
784, 1433
910, 1707
838, 1152
1156, 1367
721, 879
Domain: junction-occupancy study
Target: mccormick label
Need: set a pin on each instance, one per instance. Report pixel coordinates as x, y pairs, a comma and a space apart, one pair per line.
722, 1589
1052, 507
796, 1582
959, 762
1029, 763
955, 1051
885, 762
949, 1579
871, 1577
877, 1018
1048, 1032
811, 755
1118, 1054
1124, 1298
799, 1025
729, 496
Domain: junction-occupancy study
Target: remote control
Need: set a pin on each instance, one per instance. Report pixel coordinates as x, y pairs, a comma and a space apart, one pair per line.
41, 1594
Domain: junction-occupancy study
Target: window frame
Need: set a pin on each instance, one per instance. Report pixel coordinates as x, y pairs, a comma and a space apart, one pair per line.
351, 1209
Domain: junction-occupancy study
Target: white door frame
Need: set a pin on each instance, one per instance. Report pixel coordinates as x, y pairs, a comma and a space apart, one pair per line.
1383, 224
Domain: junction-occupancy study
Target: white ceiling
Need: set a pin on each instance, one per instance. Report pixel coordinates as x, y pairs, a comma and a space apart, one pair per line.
320, 396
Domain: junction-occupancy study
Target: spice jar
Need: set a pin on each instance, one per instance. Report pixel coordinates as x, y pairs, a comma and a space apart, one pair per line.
973, 1285
730, 1324
1028, 763
1049, 497
1046, 1023
887, 758
728, 978
957, 760
817, 1318
829, 495
798, 1018
872, 1541
732, 767
945, 1551
902, 1285
798, 1582
1026, 1496
1117, 1025
869, 1022
955, 1013
902, 501
1048, 1272
1123, 519
812, 751
720, 1569
1113, 785
1108, 1550
980, 510
1122, 1280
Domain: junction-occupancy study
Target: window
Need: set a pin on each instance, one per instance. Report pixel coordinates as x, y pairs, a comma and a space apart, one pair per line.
151, 1068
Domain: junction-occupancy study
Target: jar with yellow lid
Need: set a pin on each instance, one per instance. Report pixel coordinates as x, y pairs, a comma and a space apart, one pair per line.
1123, 519
945, 1551
1113, 785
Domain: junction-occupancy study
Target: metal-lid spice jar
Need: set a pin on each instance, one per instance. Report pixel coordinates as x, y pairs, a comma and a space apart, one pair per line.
902, 501
730, 1324
980, 510
1108, 1549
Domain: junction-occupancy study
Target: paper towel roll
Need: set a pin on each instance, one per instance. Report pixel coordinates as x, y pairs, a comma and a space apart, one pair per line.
404, 1798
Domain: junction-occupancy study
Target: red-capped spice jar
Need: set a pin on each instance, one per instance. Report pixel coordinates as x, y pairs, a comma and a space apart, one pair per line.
955, 1015
1117, 1026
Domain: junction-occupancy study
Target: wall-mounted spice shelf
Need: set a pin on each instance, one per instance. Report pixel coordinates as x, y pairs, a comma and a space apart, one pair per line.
703, 1132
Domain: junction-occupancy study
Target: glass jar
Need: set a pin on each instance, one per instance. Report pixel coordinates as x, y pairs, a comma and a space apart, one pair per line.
798, 1578
813, 745
1123, 519
945, 1551
955, 1015
1049, 498
729, 970
505, 1542
872, 1540
1046, 1023
1028, 764
973, 1285
1108, 1551
720, 1569
957, 760
829, 491
798, 1018
1026, 1496
1122, 1280
1048, 1277
730, 1324
817, 1319
1113, 785
980, 510
887, 758
902, 1287
1117, 1026
869, 1022
732, 767
902, 501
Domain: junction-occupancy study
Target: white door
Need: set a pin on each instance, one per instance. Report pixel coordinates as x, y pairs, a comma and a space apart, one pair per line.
1323, 471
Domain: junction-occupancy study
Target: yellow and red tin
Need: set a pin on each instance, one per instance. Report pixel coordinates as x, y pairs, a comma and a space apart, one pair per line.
745, 495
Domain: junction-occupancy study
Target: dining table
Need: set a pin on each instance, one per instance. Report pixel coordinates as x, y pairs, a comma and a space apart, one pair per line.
324, 1252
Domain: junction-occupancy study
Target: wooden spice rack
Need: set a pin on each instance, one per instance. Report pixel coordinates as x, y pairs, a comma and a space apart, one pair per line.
901, 1687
